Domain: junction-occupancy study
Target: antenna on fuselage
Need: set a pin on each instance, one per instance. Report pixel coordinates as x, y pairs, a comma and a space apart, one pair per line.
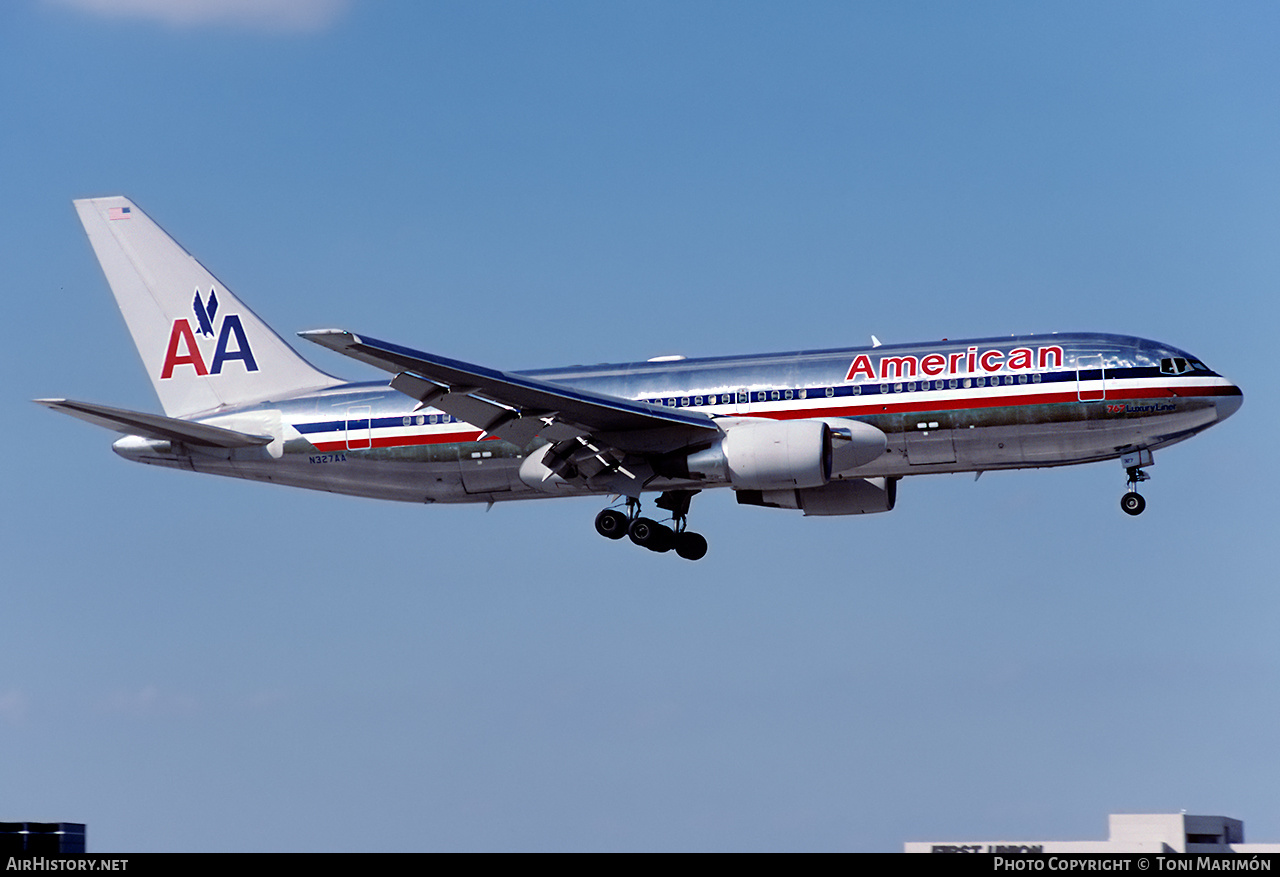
875, 342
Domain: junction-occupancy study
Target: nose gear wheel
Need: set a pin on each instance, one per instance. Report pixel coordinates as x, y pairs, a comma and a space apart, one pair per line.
1132, 503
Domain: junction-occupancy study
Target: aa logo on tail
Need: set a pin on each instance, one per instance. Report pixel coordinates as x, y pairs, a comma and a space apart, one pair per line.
205, 315
232, 342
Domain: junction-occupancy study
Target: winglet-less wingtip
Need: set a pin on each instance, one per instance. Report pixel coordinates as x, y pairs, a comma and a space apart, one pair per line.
334, 339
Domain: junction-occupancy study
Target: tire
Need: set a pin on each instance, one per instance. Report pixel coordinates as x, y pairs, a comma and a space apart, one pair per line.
691, 546
650, 534
641, 531
664, 539
611, 524
1132, 503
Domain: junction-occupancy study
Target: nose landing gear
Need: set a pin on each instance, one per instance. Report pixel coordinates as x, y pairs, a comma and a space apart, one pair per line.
647, 533
1132, 502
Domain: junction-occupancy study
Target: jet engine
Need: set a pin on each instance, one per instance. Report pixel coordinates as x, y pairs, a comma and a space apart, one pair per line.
788, 454
859, 496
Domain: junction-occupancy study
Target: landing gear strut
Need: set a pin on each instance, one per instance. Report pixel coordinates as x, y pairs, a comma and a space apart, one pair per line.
1132, 502
647, 533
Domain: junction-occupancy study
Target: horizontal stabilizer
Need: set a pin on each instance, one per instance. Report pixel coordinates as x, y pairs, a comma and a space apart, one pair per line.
154, 426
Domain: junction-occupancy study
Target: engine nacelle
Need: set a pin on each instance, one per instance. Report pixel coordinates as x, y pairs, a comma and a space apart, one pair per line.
860, 496
768, 454
780, 454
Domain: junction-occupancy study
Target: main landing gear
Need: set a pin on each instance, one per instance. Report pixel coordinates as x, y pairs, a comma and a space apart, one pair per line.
1132, 502
647, 533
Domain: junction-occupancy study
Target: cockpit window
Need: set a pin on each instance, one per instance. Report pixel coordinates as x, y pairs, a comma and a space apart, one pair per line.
1179, 365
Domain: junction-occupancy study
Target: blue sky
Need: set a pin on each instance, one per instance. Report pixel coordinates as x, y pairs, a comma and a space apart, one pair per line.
188, 663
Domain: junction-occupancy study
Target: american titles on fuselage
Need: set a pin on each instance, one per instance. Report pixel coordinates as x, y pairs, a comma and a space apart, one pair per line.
968, 362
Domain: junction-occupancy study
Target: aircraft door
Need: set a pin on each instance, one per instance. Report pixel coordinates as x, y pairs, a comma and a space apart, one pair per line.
1091, 379
359, 428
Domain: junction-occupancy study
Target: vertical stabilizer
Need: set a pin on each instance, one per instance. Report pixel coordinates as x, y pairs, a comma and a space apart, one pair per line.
202, 348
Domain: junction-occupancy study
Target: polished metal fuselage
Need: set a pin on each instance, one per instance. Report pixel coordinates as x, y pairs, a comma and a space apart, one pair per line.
950, 406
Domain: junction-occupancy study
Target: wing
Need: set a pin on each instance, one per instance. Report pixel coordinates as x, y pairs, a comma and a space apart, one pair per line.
592, 431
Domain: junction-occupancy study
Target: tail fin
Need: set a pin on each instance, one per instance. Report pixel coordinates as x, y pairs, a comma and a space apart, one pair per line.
202, 348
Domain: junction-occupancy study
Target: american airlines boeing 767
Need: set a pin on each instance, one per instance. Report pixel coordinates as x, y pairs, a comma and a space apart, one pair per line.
828, 432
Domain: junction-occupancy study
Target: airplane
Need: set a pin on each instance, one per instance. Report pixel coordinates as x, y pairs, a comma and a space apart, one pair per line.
825, 432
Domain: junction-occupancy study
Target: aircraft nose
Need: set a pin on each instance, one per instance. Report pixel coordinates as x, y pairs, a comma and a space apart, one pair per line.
1229, 403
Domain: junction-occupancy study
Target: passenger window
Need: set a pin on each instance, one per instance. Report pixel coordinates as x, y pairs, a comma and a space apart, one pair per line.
788, 395
831, 391
804, 394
